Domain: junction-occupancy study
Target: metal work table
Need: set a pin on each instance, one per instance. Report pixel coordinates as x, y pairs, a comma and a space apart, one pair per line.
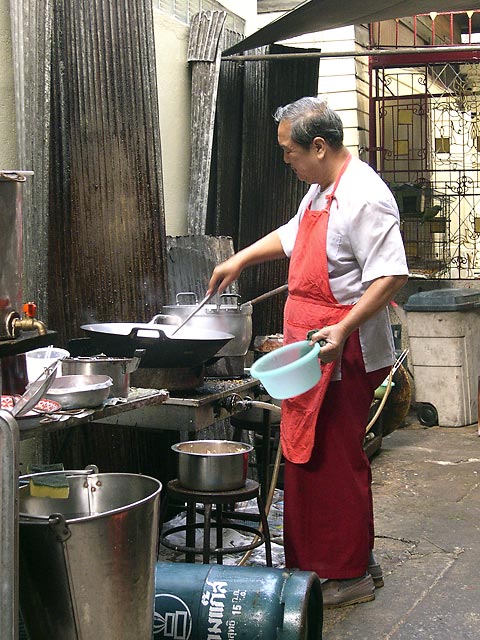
137, 401
193, 410
186, 411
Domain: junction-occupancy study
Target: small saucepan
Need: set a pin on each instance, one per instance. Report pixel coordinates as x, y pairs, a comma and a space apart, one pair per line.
118, 369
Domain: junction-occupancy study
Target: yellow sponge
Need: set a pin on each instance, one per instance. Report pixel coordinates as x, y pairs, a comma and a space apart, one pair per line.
51, 486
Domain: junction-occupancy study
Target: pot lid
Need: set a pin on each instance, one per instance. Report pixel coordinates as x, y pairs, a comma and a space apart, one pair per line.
35, 391
454, 299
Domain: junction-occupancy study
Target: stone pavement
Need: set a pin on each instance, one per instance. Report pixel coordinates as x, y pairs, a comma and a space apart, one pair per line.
427, 513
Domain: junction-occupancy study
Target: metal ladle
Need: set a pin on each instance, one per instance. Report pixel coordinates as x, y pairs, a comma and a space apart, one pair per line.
201, 304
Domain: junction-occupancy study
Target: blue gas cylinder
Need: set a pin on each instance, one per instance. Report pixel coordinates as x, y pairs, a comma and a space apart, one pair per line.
220, 602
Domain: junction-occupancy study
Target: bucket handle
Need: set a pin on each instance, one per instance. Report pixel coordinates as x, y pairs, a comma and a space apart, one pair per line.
90, 469
57, 521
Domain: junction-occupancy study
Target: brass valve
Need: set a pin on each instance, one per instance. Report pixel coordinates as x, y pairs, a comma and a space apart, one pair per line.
29, 322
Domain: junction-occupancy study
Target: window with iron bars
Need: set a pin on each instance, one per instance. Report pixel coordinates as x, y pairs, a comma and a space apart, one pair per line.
427, 139
183, 10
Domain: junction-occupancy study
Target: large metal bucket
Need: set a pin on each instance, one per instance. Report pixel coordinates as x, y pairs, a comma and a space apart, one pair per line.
87, 562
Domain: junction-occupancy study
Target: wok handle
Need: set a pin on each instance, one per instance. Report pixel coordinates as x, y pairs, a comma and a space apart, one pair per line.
133, 333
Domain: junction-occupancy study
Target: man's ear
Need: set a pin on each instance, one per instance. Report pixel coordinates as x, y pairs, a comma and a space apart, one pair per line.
320, 144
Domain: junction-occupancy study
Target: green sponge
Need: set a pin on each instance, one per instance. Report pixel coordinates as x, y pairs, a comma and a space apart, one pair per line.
51, 486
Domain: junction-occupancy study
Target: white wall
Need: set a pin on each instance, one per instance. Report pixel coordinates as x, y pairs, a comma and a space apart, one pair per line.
171, 42
8, 142
246, 9
173, 74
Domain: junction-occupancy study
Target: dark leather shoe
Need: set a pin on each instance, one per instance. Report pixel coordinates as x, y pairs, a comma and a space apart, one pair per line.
375, 570
342, 593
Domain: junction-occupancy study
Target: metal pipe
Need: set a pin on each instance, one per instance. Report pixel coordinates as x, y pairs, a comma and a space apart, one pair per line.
257, 404
9, 446
349, 54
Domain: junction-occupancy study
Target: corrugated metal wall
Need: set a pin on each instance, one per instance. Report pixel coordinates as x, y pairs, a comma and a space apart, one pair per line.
226, 166
247, 154
107, 250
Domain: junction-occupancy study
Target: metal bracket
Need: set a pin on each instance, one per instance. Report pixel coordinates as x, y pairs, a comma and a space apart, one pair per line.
59, 527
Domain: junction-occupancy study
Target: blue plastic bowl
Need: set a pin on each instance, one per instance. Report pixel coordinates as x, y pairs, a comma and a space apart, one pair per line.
290, 370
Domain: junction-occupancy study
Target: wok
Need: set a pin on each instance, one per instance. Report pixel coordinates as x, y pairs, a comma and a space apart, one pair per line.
186, 348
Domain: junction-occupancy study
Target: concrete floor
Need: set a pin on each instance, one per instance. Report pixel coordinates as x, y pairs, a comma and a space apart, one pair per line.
427, 512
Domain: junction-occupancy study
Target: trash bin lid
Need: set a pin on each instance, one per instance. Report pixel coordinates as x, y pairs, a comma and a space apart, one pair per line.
443, 300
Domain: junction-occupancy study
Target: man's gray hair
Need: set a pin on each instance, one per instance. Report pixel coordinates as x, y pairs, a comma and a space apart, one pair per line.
311, 117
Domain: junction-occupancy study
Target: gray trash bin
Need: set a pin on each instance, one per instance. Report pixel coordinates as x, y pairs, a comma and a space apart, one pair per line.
444, 340
87, 562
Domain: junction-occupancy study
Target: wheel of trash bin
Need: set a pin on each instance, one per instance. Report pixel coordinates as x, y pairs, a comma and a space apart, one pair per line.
427, 414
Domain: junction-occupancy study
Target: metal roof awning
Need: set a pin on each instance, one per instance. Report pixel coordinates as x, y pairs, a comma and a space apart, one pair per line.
318, 15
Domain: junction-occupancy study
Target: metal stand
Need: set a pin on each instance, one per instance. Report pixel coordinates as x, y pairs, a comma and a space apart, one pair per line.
222, 519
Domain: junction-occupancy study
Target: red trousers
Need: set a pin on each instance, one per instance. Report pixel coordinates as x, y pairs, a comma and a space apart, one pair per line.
328, 509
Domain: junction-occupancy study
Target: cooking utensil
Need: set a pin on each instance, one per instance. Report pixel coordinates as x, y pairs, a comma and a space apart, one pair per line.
119, 369
199, 306
161, 349
265, 296
212, 465
35, 391
226, 316
80, 392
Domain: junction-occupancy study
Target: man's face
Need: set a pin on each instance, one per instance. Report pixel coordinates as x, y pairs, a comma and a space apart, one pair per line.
306, 163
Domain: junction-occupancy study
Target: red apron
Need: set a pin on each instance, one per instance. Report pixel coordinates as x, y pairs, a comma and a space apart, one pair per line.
310, 304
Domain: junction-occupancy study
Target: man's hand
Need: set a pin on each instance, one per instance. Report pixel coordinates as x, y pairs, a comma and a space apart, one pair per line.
224, 274
331, 339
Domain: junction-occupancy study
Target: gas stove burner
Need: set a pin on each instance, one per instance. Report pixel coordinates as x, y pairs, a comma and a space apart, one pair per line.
173, 378
227, 367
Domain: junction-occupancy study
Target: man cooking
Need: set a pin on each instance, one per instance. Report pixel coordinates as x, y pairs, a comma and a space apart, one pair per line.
347, 262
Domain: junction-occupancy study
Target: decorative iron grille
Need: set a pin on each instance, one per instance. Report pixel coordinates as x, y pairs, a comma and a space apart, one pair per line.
427, 150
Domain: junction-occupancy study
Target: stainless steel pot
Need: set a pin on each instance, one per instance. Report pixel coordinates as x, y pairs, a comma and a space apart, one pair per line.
226, 317
118, 369
187, 348
212, 465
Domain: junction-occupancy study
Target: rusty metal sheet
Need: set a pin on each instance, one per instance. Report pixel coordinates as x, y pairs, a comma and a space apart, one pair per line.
205, 31
191, 260
204, 52
207, 38
107, 242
